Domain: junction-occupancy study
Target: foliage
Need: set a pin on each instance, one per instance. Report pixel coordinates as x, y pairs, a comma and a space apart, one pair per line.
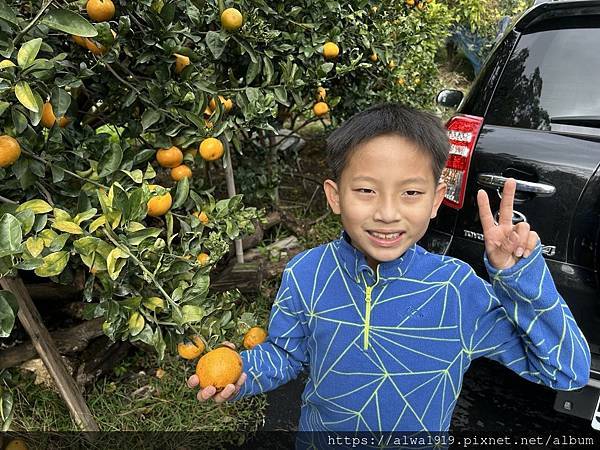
76, 199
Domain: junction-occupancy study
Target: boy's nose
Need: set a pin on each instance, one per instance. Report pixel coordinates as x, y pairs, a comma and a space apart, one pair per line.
387, 211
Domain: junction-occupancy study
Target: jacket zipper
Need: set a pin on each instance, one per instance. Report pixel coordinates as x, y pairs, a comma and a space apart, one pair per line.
368, 291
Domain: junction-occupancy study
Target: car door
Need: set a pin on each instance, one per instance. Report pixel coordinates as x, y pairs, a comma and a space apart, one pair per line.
542, 127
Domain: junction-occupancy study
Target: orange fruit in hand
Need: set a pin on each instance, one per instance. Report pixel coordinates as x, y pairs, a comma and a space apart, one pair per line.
160, 204
231, 19
330, 50
181, 62
227, 104
321, 109
219, 367
211, 149
10, 150
202, 259
254, 336
191, 350
100, 10
169, 157
180, 172
49, 119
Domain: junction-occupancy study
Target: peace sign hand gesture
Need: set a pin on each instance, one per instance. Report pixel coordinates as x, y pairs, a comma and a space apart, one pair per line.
505, 243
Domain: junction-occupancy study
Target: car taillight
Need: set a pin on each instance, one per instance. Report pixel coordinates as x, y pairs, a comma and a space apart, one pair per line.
462, 133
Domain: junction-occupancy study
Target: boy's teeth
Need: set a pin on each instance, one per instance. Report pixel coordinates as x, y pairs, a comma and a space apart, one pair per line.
390, 236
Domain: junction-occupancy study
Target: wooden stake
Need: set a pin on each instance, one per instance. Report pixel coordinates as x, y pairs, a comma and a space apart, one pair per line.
44, 345
239, 251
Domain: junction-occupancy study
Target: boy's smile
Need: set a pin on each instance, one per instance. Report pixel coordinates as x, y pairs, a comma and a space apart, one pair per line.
386, 196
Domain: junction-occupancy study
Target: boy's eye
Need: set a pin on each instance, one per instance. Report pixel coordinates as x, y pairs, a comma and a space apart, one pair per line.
364, 190
413, 193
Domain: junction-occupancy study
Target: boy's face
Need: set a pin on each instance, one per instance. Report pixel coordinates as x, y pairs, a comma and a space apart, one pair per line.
386, 196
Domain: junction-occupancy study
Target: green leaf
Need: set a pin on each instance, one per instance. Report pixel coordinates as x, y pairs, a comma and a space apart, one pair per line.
20, 122
86, 245
69, 22
28, 52
61, 100
67, 227
86, 215
136, 323
115, 262
137, 237
281, 95
25, 96
10, 235
27, 218
149, 118
6, 13
35, 245
192, 313
6, 410
97, 223
53, 264
216, 43
8, 312
111, 160
182, 192
37, 206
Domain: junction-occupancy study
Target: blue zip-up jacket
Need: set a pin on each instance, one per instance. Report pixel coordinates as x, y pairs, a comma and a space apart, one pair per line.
387, 349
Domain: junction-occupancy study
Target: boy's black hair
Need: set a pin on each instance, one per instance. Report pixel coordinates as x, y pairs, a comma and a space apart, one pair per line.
422, 128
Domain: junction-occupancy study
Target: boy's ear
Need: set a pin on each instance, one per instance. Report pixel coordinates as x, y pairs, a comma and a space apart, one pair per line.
333, 196
440, 191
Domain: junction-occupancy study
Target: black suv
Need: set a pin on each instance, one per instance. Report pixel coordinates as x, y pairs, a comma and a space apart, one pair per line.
533, 114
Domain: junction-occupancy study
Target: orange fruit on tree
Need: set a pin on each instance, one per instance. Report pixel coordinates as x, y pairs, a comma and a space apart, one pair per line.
49, 119
373, 57
95, 47
169, 157
321, 93
330, 50
227, 103
410, 2
191, 350
203, 259
202, 217
10, 150
180, 172
231, 19
211, 149
219, 367
320, 109
181, 62
100, 10
159, 204
254, 336
392, 64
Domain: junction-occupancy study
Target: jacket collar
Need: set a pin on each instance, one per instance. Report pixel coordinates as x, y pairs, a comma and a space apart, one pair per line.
355, 263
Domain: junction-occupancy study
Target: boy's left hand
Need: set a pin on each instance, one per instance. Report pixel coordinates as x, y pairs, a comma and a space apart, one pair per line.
505, 243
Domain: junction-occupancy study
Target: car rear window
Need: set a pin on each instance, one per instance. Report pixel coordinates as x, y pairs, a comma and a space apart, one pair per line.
552, 77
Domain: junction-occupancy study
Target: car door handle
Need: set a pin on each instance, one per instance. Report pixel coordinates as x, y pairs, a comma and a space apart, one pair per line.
497, 181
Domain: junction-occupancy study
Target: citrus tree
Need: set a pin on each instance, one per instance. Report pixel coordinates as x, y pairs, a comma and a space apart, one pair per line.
117, 118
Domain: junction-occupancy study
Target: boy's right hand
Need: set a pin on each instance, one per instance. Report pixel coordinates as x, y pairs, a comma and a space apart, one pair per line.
211, 392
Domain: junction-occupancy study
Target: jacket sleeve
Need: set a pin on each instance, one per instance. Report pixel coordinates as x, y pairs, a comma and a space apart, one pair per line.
521, 321
282, 356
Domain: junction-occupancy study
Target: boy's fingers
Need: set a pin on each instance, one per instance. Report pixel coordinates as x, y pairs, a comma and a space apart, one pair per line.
228, 344
225, 394
206, 393
241, 380
485, 213
193, 381
522, 230
531, 243
507, 202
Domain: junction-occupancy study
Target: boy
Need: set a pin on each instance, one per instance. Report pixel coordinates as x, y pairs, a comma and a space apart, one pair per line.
386, 329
